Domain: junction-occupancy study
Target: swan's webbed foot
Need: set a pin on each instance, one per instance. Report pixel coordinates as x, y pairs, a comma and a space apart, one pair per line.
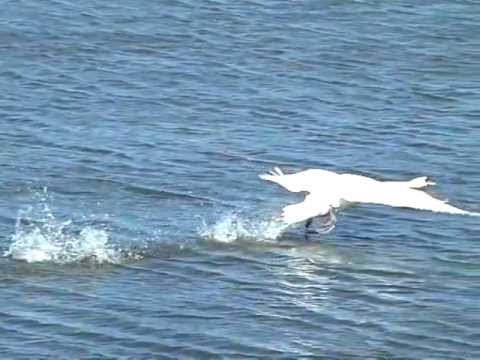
326, 227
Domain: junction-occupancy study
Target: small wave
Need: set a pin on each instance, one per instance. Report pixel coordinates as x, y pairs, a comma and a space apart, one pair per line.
236, 226
41, 237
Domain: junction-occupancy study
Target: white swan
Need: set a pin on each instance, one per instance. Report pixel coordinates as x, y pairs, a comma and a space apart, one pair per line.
328, 190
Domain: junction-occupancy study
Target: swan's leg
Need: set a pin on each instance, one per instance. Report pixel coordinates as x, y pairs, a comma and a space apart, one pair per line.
308, 223
307, 227
330, 224
326, 227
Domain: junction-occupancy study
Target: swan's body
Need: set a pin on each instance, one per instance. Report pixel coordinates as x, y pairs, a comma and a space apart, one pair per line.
328, 190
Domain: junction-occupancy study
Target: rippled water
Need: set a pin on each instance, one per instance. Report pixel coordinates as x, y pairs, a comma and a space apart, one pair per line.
133, 223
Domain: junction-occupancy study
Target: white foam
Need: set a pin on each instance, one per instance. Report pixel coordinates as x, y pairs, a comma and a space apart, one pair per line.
39, 236
234, 227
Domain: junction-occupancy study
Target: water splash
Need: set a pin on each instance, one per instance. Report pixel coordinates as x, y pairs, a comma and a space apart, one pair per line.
236, 226
39, 237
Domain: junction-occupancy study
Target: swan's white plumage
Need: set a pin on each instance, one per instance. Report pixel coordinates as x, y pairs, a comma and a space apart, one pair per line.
327, 189
312, 206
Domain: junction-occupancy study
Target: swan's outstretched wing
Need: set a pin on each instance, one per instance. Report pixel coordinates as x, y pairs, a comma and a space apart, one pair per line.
398, 195
312, 206
318, 183
307, 180
290, 182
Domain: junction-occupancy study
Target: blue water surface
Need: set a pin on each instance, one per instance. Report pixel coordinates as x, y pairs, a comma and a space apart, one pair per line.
133, 223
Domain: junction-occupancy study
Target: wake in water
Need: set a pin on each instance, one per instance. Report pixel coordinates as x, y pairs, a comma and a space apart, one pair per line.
237, 226
40, 237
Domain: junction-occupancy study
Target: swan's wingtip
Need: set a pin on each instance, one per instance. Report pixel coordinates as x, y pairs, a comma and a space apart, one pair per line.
276, 171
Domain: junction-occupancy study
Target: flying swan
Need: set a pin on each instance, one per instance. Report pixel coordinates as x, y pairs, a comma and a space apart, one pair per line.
328, 190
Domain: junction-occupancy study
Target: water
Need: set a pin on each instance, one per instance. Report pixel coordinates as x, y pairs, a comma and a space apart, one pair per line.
133, 223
